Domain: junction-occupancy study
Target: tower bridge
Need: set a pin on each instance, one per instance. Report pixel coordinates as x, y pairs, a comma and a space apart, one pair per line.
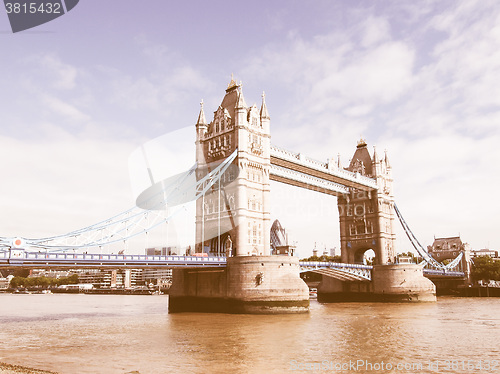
230, 184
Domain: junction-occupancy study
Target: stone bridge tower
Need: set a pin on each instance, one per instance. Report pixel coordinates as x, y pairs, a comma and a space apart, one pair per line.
233, 218
367, 217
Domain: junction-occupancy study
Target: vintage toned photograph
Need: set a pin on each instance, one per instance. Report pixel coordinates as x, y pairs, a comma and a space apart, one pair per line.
284, 186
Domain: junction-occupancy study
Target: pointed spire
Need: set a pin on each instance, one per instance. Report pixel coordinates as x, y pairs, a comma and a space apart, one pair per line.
361, 142
338, 161
375, 162
241, 100
264, 114
375, 156
201, 117
387, 160
231, 84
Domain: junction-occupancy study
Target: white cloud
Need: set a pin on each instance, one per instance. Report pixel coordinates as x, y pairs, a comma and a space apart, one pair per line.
164, 87
358, 110
62, 74
447, 185
61, 185
140, 93
379, 75
376, 30
64, 109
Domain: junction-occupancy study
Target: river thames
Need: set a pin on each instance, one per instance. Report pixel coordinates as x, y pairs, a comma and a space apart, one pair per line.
135, 334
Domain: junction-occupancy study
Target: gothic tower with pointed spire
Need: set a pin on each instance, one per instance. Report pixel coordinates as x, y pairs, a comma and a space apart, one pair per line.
233, 218
367, 217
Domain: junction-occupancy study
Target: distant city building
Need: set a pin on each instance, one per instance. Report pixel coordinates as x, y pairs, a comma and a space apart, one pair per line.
484, 252
447, 248
279, 241
124, 278
159, 277
158, 251
4, 282
50, 273
168, 251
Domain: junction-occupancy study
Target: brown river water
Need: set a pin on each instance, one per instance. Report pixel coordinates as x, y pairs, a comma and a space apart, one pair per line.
75, 334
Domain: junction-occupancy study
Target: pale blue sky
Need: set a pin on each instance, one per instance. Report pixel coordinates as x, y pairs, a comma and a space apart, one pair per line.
420, 79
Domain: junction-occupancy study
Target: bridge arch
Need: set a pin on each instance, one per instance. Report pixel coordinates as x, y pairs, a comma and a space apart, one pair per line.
365, 256
226, 245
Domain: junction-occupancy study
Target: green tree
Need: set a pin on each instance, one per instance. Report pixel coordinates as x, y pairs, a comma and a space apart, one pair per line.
72, 279
17, 282
485, 268
312, 258
43, 282
323, 258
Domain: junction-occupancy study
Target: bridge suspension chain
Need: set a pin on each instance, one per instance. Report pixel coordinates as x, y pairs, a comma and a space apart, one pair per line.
420, 249
414, 241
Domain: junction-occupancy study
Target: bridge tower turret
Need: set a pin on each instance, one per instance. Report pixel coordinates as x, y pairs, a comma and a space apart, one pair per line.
367, 217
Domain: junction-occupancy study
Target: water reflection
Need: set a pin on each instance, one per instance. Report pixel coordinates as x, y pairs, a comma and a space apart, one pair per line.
120, 334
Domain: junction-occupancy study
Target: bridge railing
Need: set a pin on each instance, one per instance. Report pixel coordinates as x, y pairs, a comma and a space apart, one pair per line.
48, 258
322, 264
118, 257
307, 179
445, 272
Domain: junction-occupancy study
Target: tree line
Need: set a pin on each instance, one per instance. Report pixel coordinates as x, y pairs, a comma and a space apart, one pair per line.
323, 258
485, 268
42, 282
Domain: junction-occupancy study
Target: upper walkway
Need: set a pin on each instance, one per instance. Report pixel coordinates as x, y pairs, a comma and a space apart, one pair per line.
301, 171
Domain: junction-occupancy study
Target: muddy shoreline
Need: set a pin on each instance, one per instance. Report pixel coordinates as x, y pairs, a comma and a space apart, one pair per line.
16, 369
